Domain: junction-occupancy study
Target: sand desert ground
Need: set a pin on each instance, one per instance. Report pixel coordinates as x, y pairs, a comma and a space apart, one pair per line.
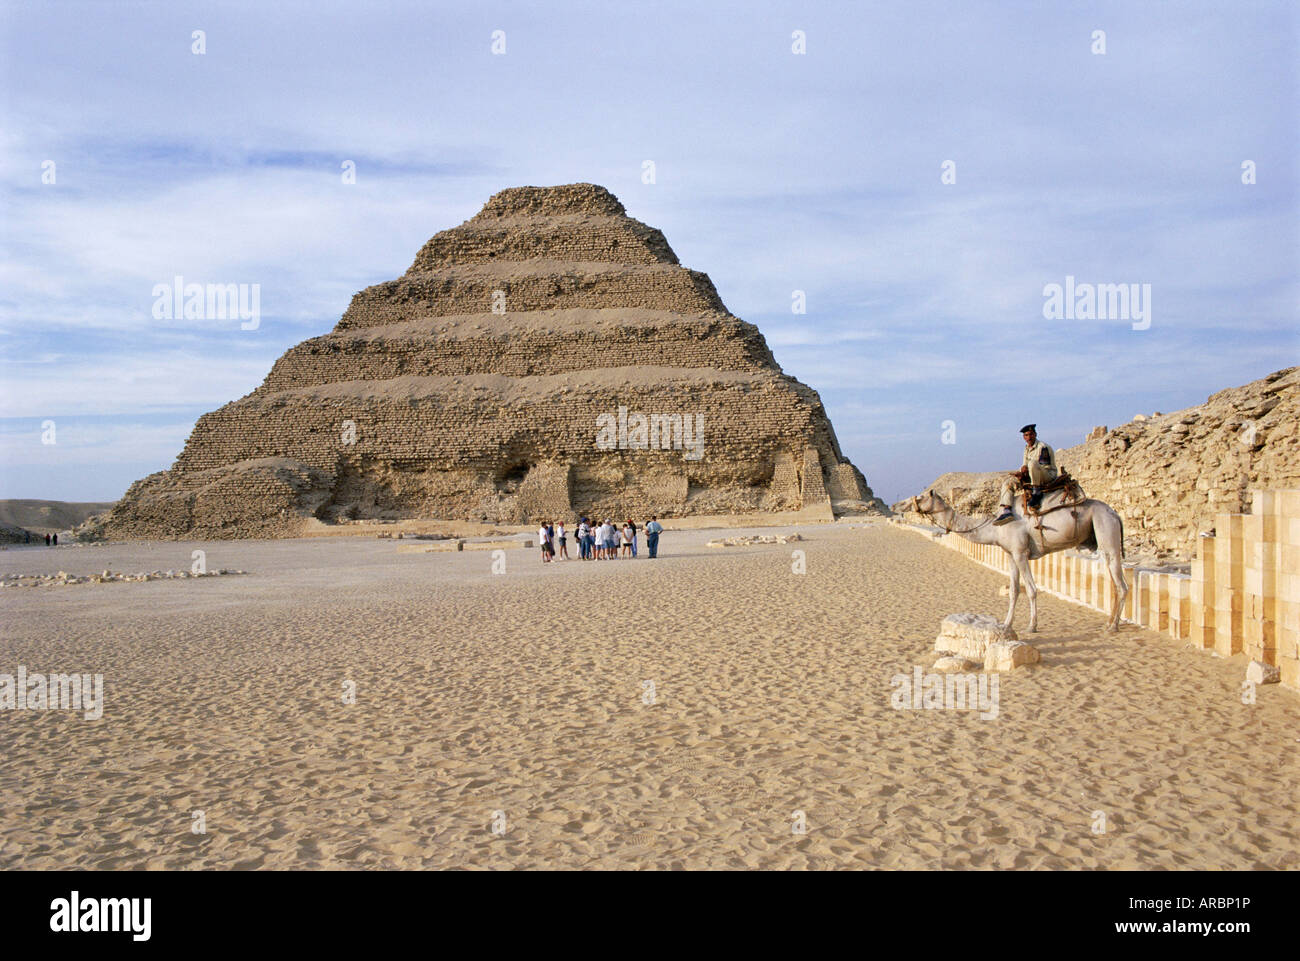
522, 693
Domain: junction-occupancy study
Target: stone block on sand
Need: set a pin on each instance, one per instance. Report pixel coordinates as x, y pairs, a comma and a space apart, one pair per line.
1008, 655
969, 635
1260, 673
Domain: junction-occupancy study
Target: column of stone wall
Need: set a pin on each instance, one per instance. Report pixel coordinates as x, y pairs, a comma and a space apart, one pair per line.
1287, 512
1228, 584
1203, 593
1259, 578
1160, 610
1179, 606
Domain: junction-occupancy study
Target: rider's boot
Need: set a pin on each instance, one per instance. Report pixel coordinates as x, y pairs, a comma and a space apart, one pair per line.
1035, 496
1005, 517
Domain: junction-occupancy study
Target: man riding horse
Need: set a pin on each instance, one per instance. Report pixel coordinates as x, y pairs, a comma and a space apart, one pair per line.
1038, 468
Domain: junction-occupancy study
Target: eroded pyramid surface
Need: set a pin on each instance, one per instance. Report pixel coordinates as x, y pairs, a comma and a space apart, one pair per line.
507, 377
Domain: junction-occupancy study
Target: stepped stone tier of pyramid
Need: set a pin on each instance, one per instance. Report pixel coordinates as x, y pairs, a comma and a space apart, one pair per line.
546, 358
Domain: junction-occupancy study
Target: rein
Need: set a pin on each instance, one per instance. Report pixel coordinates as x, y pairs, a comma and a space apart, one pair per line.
946, 529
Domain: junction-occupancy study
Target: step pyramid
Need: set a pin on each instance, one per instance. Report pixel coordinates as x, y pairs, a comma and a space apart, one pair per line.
547, 358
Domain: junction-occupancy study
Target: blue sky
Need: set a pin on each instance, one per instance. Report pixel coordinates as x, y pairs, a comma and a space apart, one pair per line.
774, 172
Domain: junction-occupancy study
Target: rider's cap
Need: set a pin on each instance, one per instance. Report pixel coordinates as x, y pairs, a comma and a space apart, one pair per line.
1028, 427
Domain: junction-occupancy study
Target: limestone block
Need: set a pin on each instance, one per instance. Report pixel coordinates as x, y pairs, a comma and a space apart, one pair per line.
1008, 655
1258, 672
969, 635
495, 545
437, 547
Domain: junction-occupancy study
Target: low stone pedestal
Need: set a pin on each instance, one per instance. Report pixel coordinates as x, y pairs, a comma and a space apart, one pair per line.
974, 639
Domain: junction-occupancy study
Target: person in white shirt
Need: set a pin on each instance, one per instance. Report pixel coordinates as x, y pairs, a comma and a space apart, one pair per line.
543, 540
562, 537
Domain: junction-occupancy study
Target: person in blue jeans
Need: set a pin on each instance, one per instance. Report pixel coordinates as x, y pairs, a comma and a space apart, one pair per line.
652, 532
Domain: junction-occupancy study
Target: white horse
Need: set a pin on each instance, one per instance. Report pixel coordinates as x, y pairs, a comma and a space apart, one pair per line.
1090, 524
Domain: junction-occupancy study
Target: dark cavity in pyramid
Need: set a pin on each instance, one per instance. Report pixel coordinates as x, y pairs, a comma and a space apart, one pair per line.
473, 387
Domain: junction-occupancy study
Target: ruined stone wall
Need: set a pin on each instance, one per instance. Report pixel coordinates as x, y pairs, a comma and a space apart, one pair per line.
1169, 475
262, 498
846, 483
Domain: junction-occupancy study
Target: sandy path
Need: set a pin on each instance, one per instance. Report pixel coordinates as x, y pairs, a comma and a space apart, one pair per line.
522, 693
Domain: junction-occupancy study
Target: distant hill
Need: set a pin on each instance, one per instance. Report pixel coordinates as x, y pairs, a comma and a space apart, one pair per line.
44, 517
1169, 474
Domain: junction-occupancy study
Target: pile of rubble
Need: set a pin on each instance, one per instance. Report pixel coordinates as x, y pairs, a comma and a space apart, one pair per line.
755, 539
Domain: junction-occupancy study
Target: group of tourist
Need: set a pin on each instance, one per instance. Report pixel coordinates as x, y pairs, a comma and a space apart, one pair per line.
597, 540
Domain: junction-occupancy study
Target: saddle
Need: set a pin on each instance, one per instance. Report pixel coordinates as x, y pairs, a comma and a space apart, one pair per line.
1062, 492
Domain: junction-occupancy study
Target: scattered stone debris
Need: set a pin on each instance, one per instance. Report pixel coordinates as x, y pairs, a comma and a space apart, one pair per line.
106, 577
755, 539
